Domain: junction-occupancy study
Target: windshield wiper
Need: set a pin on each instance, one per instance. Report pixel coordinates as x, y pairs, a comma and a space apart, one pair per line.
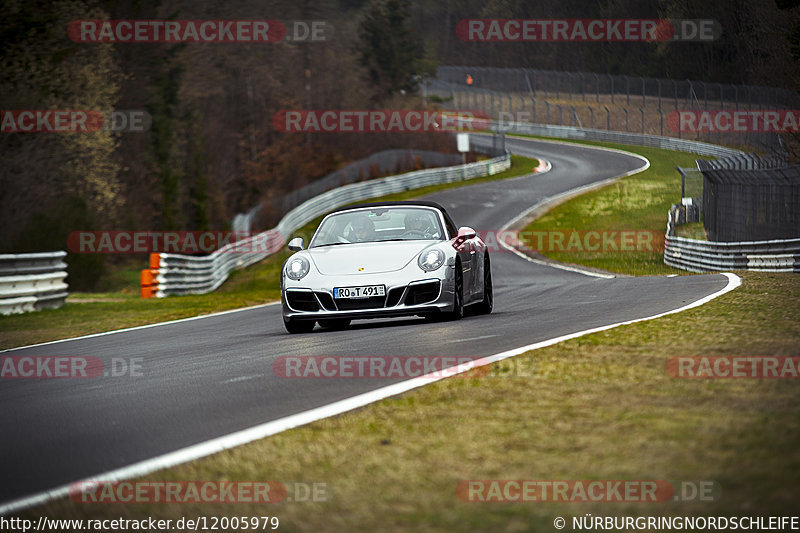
330, 244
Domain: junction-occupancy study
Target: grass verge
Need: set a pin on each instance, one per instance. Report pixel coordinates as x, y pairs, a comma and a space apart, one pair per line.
635, 203
596, 407
86, 313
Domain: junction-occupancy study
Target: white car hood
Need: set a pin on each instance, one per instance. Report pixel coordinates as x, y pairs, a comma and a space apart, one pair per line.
372, 257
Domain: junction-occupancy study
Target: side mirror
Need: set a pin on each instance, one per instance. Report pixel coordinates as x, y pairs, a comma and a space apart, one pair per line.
465, 233
296, 244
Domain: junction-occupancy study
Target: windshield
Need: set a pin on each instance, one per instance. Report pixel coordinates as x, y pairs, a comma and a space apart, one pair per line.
379, 225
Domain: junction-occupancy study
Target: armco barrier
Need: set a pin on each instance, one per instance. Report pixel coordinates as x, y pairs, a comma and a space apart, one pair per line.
703, 256
173, 274
30, 282
620, 137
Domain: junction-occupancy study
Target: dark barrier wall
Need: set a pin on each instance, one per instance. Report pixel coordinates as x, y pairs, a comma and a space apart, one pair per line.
751, 205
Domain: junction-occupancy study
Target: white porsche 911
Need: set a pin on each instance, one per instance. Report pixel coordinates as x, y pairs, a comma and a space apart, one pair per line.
381, 260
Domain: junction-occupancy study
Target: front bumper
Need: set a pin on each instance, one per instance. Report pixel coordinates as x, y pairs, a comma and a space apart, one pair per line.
314, 301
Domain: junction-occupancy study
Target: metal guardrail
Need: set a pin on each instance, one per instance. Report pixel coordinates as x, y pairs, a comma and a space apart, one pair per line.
173, 274
620, 137
30, 282
704, 256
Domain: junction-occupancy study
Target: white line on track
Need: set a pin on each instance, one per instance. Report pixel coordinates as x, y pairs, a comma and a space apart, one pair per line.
471, 339
267, 429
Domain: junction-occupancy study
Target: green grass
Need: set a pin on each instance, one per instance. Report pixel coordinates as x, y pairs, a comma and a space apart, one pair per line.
122, 307
639, 202
596, 407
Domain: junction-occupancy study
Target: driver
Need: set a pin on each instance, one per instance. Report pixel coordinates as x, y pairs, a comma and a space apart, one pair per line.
418, 223
363, 230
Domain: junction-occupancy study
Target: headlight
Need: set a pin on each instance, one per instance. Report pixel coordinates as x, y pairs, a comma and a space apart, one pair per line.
430, 260
297, 268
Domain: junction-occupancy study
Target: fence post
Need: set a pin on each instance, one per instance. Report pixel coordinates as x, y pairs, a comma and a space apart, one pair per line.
591, 117
545, 90
705, 94
583, 87
569, 83
661, 122
644, 102
558, 84
560, 116
641, 110
675, 85
608, 119
659, 95
533, 110
597, 88
612, 87
627, 90
547, 111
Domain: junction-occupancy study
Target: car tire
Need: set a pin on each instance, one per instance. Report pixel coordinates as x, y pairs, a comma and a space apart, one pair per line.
335, 323
486, 305
298, 326
458, 295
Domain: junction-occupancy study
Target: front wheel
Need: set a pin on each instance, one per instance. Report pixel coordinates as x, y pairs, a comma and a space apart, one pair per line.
485, 306
298, 326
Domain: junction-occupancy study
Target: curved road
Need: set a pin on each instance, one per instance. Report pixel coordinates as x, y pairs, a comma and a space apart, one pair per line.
210, 377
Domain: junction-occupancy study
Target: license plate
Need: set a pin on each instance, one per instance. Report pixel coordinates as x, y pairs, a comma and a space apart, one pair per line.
365, 291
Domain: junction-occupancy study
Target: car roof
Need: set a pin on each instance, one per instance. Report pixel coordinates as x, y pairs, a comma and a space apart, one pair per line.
393, 203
